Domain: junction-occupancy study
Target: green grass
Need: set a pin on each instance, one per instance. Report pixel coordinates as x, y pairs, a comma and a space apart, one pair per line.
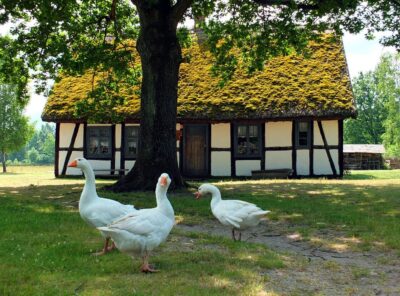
378, 174
45, 246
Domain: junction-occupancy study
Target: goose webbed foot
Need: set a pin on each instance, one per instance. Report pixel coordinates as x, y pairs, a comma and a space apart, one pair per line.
146, 267
105, 249
234, 236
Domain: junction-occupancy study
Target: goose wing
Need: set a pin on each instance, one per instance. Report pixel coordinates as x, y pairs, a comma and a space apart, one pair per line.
142, 222
105, 211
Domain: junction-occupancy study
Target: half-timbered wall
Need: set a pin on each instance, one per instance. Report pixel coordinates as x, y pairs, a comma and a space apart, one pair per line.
278, 145
322, 158
220, 149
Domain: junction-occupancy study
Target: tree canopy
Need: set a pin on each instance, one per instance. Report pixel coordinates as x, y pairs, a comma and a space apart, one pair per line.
71, 36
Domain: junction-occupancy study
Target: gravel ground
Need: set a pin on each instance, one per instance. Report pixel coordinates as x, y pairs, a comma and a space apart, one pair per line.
325, 264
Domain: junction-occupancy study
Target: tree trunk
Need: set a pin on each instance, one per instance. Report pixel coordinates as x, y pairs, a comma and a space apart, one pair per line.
3, 161
160, 54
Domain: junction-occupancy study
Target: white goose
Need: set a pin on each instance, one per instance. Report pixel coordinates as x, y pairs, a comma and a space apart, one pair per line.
94, 210
234, 213
140, 232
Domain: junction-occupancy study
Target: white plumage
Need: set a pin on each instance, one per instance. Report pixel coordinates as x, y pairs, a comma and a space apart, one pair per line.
138, 233
237, 214
95, 210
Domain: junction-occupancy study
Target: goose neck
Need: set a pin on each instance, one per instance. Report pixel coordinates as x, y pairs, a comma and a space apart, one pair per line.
163, 203
215, 196
89, 190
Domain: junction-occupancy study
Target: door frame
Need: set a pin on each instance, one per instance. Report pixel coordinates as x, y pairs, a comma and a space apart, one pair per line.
207, 149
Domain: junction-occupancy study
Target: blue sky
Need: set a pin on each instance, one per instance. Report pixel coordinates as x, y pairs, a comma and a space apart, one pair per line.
362, 55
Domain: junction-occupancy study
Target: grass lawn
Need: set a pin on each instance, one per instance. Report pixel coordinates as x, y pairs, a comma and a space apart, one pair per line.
45, 246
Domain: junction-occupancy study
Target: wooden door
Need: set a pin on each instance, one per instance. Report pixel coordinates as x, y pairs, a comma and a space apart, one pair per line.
195, 150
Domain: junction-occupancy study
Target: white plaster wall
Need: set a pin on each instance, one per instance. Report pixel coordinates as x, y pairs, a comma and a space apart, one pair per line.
278, 160
220, 163
303, 162
129, 164
331, 130
220, 135
244, 167
70, 171
79, 137
278, 134
66, 131
321, 162
101, 165
118, 135
117, 160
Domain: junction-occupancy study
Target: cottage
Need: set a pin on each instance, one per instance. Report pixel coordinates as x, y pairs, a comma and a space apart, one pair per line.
288, 116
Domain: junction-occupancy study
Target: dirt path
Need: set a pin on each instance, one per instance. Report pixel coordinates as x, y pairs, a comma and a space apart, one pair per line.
323, 265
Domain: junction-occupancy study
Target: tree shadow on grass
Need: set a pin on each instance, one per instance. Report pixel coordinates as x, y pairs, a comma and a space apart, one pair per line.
45, 250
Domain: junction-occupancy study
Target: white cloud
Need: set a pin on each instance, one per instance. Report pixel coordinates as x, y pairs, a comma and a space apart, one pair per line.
362, 54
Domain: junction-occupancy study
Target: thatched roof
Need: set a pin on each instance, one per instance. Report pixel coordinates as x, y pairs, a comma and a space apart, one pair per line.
289, 87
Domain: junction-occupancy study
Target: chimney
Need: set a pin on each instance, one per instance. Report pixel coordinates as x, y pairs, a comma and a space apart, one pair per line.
201, 36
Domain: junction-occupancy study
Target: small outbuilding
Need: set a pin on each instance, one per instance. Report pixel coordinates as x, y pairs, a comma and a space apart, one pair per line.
363, 156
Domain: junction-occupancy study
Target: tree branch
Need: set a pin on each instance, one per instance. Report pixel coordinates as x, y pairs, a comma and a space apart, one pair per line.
179, 9
290, 3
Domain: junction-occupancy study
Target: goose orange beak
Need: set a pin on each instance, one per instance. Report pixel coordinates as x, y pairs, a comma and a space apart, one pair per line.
73, 164
163, 181
197, 195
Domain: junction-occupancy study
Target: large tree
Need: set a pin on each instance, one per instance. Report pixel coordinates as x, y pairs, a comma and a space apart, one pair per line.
80, 35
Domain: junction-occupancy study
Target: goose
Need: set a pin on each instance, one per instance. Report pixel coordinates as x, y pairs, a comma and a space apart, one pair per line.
234, 213
95, 210
138, 233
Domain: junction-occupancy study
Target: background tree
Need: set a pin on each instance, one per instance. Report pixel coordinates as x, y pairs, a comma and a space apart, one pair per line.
15, 129
390, 87
368, 127
80, 35
377, 95
41, 146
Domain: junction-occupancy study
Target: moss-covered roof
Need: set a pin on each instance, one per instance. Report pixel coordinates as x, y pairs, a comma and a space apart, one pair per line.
289, 86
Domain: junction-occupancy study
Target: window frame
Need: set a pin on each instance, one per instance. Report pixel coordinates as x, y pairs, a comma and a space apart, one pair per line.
109, 137
236, 137
309, 136
126, 139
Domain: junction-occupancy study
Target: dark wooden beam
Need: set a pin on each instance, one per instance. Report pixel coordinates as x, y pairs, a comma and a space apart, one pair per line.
57, 151
122, 158
341, 158
209, 149
294, 152
278, 148
112, 149
233, 163
71, 146
311, 155
328, 153
262, 163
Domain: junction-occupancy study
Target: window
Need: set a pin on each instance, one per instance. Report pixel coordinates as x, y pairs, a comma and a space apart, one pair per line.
98, 142
248, 141
303, 134
131, 141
